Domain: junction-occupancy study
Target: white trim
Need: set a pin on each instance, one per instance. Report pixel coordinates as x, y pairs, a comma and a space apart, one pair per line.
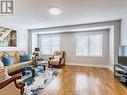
71, 29
111, 68
79, 29
92, 65
89, 65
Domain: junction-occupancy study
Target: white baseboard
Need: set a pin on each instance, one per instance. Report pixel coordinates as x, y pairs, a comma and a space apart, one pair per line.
89, 65
111, 68
92, 65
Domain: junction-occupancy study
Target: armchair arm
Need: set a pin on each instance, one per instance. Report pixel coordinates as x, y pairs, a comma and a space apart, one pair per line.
60, 59
13, 79
63, 61
50, 58
8, 81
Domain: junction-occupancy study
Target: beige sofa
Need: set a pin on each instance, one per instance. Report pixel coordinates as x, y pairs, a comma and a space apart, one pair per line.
17, 65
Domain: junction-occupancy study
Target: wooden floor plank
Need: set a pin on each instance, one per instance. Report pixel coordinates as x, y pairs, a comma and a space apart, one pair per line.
84, 81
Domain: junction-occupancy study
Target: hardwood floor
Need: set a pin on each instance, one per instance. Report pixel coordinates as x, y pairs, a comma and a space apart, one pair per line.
84, 81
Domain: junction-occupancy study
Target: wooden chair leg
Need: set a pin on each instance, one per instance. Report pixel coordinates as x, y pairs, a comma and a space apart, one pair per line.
21, 91
49, 65
20, 86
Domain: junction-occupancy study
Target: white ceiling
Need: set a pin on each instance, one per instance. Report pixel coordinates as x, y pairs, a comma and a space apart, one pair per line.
32, 14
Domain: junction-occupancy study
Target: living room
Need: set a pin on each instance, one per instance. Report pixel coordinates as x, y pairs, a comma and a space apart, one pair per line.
63, 48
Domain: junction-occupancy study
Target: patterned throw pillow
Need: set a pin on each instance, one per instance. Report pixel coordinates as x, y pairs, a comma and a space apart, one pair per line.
14, 59
5, 54
3, 75
7, 60
57, 57
24, 58
1, 64
17, 57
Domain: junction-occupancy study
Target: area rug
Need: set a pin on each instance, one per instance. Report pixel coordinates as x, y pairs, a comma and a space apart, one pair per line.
34, 85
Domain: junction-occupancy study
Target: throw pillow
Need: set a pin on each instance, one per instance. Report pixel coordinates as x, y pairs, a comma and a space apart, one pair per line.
1, 64
24, 58
17, 57
5, 54
7, 61
14, 59
3, 75
57, 57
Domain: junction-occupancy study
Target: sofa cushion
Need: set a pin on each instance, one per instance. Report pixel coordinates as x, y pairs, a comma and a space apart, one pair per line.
1, 64
5, 54
16, 67
13, 68
17, 57
7, 61
23, 64
10, 53
24, 58
14, 59
54, 62
1, 53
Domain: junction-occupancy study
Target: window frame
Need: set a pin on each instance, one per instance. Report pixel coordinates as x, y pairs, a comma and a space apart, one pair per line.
46, 36
88, 34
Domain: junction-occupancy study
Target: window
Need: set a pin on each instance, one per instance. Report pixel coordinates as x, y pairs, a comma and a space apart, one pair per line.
49, 44
89, 45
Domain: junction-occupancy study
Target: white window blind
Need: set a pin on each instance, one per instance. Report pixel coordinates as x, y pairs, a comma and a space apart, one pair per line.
89, 45
49, 44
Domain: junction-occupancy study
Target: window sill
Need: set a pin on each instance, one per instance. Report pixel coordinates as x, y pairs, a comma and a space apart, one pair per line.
89, 56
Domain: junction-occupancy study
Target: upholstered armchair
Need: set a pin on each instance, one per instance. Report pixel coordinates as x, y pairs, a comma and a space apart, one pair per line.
58, 59
10, 86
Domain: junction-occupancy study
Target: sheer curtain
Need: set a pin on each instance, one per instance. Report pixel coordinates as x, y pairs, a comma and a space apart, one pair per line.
89, 45
49, 44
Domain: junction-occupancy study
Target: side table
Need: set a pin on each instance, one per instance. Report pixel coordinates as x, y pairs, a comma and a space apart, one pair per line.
43, 63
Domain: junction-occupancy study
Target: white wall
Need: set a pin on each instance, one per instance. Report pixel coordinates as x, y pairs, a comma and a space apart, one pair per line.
22, 38
114, 39
34, 42
68, 44
124, 31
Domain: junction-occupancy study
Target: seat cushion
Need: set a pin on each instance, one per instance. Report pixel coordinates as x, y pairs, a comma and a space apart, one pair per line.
13, 68
54, 62
25, 63
16, 67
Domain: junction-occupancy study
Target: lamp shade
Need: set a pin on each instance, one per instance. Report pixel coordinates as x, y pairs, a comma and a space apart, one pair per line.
37, 49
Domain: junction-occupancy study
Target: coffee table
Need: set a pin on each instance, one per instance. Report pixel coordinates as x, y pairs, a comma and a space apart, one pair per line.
33, 70
43, 63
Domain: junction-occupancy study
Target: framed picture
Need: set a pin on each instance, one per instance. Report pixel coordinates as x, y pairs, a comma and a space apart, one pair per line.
8, 37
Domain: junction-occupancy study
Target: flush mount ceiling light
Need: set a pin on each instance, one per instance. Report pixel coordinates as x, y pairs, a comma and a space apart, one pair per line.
55, 11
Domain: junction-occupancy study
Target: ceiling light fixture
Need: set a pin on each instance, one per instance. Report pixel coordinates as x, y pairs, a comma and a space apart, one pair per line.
55, 11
